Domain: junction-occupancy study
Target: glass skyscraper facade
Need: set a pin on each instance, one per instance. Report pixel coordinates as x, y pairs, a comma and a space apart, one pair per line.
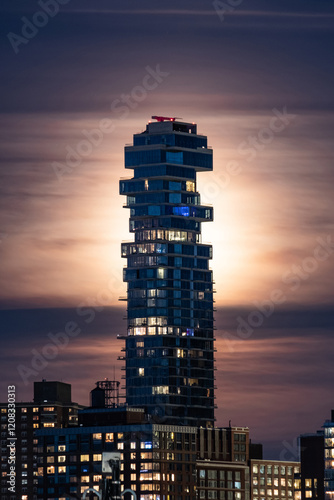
169, 351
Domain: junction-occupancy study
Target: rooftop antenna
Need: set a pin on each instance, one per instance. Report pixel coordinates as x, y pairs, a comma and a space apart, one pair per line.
166, 118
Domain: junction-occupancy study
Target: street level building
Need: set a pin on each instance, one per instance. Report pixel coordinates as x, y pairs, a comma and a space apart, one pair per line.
52, 408
272, 479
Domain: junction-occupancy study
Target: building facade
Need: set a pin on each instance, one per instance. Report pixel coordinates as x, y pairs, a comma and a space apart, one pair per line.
310, 482
329, 457
52, 408
169, 351
272, 479
158, 462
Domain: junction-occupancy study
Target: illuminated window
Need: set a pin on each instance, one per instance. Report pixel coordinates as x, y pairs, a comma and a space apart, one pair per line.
62, 470
190, 186
133, 466
50, 460
120, 446
133, 445
50, 449
48, 424
120, 435
97, 457
133, 477
161, 273
49, 408
62, 458
97, 436
160, 389
109, 437
85, 479
97, 478
35, 426
84, 458
50, 470
62, 447
147, 445
141, 372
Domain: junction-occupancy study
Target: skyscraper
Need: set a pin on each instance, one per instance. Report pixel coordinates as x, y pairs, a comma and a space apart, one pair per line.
169, 343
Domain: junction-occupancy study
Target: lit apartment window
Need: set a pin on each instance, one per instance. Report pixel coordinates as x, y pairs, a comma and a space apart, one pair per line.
85, 479
48, 424
61, 458
97, 478
97, 436
62, 447
35, 426
49, 470
84, 458
133, 477
49, 408
97, 457
62, 470
109, 437
24, 410
133, 445
35, 410
141, 372
120, 435
50, 460
3, 410
120, 446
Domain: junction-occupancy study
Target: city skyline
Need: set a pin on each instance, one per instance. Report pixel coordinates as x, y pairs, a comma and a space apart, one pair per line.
258, 82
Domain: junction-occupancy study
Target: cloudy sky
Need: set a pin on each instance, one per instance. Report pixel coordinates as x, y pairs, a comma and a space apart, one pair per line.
258, 80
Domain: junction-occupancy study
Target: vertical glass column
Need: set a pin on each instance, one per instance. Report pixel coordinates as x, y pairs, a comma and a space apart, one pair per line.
169, 342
